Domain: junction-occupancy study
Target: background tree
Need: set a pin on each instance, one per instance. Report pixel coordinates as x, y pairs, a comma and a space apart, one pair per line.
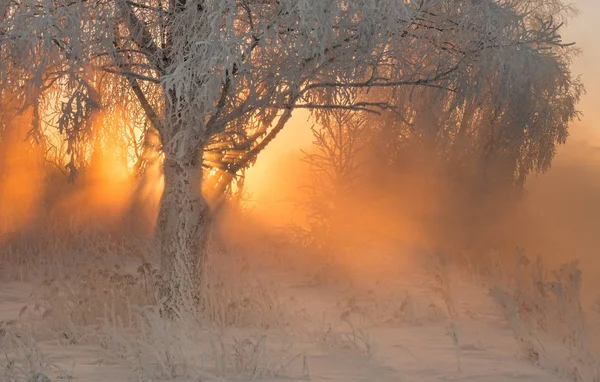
331, 187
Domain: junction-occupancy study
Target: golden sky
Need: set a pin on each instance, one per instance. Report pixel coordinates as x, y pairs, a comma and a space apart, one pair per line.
264, 180
585, 32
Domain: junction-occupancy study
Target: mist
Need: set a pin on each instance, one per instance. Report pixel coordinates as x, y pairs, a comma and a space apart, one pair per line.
327, 191
556, 218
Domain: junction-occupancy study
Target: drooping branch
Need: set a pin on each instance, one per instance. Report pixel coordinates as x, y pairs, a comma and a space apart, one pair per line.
250, 156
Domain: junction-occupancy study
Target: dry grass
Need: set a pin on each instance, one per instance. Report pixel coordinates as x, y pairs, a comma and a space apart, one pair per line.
59, 250
95, 288
22, 360
240, 329
544, 311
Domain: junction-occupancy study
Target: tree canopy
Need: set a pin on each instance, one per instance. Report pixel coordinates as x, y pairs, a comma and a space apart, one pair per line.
218, 79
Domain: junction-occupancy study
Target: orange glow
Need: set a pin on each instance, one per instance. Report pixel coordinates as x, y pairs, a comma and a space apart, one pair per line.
274, 178
20, 173
104, 189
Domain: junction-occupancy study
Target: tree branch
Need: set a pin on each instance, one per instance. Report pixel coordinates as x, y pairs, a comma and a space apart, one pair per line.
141, 35
379, 83
359, 106
251, 155
131, 74
139, 93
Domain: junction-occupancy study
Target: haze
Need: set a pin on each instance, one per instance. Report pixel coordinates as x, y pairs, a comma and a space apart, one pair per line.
563, 205
323, 190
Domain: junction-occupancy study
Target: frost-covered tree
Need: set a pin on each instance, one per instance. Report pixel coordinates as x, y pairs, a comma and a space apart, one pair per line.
510, 113
333, 176
483, 140
218, 79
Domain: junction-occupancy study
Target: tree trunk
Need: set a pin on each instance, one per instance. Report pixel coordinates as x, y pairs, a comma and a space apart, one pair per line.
182, 230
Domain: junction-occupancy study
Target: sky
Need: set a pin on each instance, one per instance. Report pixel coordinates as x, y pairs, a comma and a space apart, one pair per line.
584, 30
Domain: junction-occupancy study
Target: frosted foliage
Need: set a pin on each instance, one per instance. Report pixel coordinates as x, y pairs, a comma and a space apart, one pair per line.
510, 106
221, 63
274, 48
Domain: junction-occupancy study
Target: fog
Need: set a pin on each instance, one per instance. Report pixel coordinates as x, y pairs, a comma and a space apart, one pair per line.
398, 213
558, 218
417, 207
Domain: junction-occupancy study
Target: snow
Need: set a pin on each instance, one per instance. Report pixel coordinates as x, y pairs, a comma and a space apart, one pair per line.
336, 333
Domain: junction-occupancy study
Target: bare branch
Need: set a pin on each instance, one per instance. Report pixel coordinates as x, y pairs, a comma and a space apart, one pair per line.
131, 74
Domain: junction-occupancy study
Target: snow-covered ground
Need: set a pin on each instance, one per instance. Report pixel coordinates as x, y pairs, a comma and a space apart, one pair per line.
408, 328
